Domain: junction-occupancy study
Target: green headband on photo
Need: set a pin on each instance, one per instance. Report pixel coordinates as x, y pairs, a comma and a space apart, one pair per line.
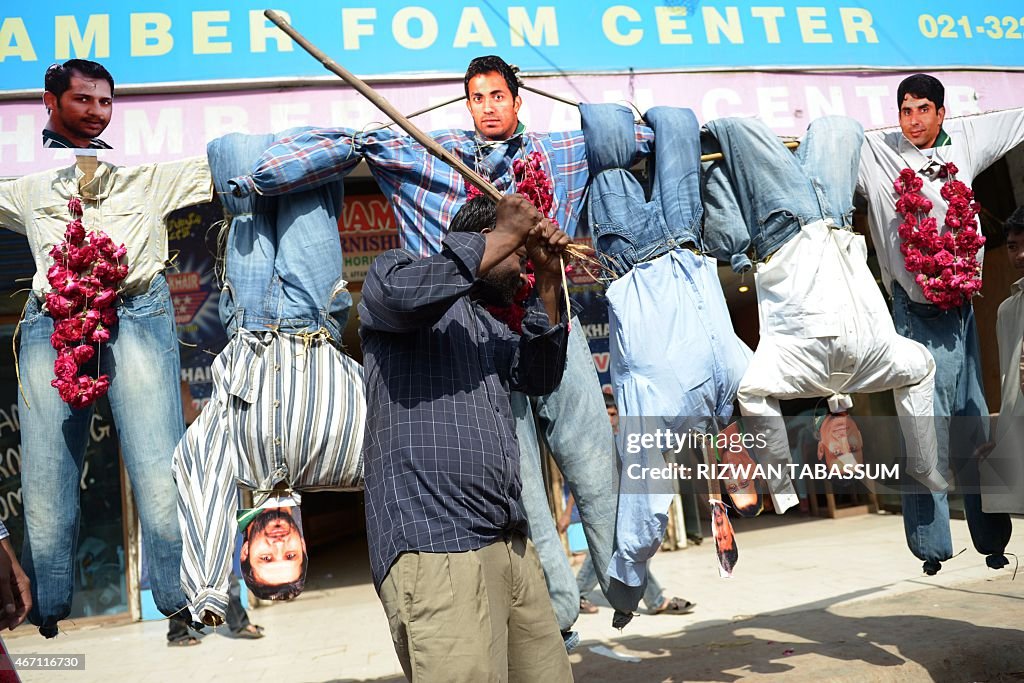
244, 518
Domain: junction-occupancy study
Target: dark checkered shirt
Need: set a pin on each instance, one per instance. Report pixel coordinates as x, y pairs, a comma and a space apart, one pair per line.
440, 453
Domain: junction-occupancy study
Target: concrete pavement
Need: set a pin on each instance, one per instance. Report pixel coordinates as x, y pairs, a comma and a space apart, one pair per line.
810, 600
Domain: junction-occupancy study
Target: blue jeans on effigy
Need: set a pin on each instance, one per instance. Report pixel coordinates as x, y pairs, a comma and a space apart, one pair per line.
575, 425
759, 205
143, 362
952, 338
283, 257
586, 581
627, 227
641, 240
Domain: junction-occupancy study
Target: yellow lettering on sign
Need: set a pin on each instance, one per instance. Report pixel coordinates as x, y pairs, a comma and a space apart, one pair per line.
473, 28
610, 24
150, 34
354, 24
770, 16
715, 25
542, 30
428, 28
671, 21
93, 43
812, 25
261, 30
204, 31
858, 20
14, 41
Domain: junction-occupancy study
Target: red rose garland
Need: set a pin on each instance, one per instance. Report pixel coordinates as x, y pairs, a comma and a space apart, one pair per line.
946, 265
531, 181
84, 278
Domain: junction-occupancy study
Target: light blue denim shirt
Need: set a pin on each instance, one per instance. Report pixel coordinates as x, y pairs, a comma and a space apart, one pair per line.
682, 374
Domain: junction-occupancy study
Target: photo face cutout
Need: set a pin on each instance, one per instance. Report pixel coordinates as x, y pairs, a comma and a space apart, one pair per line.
742, 491
840, 442
725, 539
273, 553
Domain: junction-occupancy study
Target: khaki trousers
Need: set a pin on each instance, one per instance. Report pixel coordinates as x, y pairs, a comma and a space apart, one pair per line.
477, 616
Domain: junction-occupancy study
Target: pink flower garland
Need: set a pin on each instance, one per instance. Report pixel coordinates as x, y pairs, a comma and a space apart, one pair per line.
531, 181
946, 265
84, 277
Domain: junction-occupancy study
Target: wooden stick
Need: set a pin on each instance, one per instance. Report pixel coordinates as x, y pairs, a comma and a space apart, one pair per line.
715, 156
369, 93
405, 124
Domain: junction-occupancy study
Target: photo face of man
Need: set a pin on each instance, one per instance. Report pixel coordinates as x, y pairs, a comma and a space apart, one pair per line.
743, 492
920, 120
83, 110
274, 547
722, 529
495, 112
841, 443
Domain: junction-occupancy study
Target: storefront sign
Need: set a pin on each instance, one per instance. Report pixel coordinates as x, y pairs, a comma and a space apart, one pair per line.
217, 40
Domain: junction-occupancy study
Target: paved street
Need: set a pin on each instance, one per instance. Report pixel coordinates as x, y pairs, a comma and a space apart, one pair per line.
811, 600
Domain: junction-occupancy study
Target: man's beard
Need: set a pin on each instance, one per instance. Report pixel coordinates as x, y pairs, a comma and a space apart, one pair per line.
499, 289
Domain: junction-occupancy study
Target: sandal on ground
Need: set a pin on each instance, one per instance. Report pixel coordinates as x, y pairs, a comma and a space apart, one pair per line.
250, 632
676, 606
184, 642
587, 607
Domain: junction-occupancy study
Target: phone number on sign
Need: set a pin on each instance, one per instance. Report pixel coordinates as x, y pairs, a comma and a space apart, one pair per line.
61, 662
946, 26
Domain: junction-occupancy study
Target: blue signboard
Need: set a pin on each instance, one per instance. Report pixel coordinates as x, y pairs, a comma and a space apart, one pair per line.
161, 41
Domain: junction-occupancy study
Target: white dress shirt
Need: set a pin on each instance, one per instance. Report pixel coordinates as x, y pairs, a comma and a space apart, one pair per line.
131, 204
826, 332
285, 409
976, 142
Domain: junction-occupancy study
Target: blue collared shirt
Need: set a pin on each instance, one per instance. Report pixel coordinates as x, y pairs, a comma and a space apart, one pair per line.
440, 453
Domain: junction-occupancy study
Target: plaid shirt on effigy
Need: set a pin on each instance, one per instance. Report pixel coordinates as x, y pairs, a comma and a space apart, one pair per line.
424, 191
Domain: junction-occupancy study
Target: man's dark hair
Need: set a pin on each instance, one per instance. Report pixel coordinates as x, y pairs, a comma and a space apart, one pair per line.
476, 215
58, 76
1015, 223
752, 510
731, 557
923, 86
609, 400
491, 64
